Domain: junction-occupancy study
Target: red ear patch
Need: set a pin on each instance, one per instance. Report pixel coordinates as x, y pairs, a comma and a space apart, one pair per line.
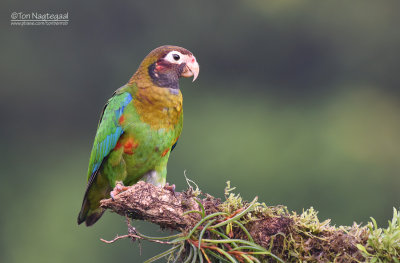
159, 67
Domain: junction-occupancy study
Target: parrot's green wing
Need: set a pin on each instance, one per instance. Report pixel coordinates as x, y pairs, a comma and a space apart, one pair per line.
108, 132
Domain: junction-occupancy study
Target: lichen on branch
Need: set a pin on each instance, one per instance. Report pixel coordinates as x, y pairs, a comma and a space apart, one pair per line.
211, 230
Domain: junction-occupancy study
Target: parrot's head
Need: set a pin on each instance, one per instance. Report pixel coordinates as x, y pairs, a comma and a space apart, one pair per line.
166, 64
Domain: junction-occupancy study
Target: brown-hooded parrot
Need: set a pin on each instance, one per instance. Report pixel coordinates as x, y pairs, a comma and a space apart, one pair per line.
138, 128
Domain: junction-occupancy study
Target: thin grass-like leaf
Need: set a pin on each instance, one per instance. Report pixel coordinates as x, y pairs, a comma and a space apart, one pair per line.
200, 256
158, 238
244, 230
161, 255
190, 255
255, 259
203, 211
245, 247
238, 215
234, 240
178, 255
262, 250
231, 259
194, 259
209, 251
177, 240
202, 221
205, 255
268, 254
192, 211
223, 236
204, 230
247, 259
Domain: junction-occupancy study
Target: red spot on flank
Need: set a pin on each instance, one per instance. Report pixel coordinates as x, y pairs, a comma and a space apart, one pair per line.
121, 119
117, 146
165, 152
130, 145
193, 60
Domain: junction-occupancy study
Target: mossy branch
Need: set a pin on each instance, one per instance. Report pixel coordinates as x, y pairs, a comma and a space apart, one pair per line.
233, 230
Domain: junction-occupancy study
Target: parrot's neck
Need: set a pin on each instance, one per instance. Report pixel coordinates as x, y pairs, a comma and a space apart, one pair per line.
158, 107
159, 74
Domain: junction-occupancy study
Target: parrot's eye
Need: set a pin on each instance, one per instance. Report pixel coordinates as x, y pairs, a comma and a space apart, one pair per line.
174, 57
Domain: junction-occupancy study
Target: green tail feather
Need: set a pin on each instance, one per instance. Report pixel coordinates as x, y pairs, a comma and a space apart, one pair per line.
84, 211
94, 216
96, 190
88, 215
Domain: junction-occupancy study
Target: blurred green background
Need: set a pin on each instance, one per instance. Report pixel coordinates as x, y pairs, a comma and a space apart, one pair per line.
297, 102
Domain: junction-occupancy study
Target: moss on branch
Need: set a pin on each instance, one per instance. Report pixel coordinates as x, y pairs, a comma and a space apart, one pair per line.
234, 230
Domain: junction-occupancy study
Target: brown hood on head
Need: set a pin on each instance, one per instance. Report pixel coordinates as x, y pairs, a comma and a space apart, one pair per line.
156, 69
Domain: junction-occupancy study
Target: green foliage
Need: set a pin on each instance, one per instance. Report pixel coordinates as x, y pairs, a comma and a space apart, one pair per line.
309, 223
233, 201
383, 245
212, 240
225, 236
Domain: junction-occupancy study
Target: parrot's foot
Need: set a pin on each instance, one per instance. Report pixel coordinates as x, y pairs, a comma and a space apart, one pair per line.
170, 187
119, 188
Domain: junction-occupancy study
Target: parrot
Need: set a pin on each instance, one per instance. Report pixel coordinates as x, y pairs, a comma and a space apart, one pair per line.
138, 128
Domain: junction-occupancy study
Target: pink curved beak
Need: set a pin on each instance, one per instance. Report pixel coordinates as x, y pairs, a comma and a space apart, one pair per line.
191, 69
